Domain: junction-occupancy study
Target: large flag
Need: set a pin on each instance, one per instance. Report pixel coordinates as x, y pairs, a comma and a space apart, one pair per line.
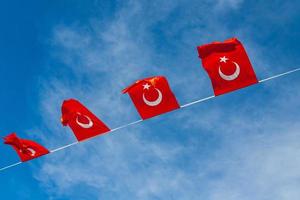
152, 96
26, 149
227, 65
82, 121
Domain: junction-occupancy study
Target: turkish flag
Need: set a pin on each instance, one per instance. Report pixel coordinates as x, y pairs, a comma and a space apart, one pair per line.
26, 149
227, 65
152, 96
82, 121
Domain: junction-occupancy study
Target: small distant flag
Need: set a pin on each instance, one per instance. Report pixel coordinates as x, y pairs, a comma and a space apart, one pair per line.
227, 65
152, 96
82, 121
26, 149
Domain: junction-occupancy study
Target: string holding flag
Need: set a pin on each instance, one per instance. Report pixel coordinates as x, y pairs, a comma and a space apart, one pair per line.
138, 121
226, 63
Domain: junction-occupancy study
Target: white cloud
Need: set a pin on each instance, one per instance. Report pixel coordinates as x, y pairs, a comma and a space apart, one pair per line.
139, 163
224, 4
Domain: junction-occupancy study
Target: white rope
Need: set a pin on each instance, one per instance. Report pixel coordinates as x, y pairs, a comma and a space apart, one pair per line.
197, 101
126, 125
9, 166
138, 121
278, 75
63, 147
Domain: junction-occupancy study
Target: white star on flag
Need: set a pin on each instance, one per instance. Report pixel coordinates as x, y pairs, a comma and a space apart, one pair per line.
223, 59
146, 86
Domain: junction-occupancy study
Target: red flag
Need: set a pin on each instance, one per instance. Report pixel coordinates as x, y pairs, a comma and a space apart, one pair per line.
82, 121
26, 149
227, 65
152, 96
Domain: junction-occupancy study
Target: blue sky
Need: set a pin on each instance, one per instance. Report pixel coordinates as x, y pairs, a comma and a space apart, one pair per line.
243, 145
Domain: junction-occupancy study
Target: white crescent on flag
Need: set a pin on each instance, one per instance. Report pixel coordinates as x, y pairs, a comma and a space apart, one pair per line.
156, 102
83, 125
232, 76
33, 152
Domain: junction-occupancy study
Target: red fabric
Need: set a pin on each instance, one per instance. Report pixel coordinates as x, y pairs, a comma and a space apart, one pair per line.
235, 59
82, 121
26, 149
152, 96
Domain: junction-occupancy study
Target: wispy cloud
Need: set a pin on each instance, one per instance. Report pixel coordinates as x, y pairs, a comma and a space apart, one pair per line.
225, 4
208, 159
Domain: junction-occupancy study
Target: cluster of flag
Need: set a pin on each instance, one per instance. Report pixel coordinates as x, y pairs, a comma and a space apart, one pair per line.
226, 63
